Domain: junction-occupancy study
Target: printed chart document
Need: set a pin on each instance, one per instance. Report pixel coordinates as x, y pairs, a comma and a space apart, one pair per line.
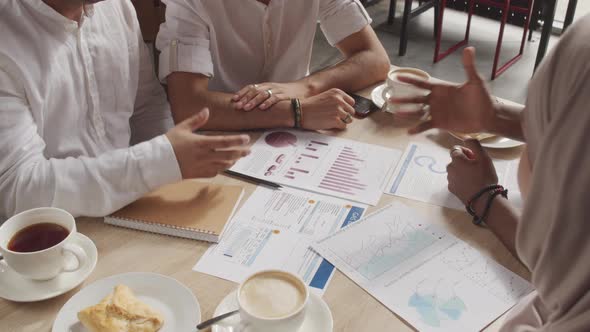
274, 230
422, 273
322, 164
421, 174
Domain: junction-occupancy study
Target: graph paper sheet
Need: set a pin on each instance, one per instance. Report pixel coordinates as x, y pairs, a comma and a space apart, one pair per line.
421, 174
422, 273
322, 164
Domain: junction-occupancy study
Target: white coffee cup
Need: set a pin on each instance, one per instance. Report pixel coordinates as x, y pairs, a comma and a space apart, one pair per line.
43, 264
395, 88
273, 300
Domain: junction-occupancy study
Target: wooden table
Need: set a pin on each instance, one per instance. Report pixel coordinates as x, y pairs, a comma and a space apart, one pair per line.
122, 250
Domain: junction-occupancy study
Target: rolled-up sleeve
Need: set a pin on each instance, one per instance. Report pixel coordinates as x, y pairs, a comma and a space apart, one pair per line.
341, 18
183, 41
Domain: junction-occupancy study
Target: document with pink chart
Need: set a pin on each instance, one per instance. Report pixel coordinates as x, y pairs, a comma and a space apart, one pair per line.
323, 164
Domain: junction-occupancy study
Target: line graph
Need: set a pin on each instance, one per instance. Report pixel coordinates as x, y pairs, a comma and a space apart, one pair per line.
421, 272
485, 272
385, 249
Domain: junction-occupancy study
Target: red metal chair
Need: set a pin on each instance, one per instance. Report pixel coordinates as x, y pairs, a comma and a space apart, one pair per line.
506, 7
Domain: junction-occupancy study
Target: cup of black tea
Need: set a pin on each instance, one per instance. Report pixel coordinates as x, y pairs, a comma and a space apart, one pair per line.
37, 242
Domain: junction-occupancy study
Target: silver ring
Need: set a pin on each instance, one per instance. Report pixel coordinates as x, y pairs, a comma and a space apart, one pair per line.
456, 148
426, 116
269, 91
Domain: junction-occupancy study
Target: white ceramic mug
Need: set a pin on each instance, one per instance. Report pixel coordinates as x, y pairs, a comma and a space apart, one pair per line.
43, 264
395, 88
289, 322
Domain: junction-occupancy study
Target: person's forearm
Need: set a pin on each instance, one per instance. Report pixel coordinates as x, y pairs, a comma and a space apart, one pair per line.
353, 74
502, 220
507, 121
187, 98
87, 186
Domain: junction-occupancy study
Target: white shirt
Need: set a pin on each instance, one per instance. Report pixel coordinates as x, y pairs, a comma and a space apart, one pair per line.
72, 99
239, 42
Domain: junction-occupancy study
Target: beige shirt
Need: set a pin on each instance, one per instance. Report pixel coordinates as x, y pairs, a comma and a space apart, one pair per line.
238, 42
73, 97
552, 239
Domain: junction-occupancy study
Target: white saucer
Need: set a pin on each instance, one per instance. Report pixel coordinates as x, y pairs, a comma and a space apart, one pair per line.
496, 142
499, 142
377, 95
16, 288
172, 299
318, 317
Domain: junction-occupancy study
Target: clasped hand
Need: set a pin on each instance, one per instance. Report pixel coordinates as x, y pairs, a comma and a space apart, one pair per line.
332, 109
264, 95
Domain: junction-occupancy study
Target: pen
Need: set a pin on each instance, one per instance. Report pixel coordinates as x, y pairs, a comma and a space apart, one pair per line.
253, 179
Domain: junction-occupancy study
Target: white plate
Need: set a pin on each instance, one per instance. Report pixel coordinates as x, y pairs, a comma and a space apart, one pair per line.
172, 299
318, 317
496, 142
16, 288
377, 95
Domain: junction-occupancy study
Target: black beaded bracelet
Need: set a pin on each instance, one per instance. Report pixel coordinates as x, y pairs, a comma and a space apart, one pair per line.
493, 190
296, 106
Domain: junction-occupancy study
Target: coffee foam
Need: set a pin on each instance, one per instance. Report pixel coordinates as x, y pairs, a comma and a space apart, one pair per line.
271, 295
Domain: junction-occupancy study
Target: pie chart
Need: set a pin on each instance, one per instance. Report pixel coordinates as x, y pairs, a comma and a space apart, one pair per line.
280, 139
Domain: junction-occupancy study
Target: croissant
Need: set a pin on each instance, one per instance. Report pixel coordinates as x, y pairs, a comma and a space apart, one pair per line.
121, 311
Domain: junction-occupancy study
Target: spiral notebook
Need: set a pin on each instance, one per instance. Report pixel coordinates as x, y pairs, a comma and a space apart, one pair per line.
188, 209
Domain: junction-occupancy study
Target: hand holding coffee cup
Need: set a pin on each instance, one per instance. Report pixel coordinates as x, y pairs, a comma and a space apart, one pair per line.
396, 88
36, 243
273, 300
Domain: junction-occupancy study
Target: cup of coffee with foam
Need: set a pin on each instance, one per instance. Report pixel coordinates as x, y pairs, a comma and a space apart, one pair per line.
395, 88
273, 300
36, 243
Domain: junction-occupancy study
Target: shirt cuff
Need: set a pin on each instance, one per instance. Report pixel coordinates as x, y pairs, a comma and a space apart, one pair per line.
157, 162
177, 57
346, 21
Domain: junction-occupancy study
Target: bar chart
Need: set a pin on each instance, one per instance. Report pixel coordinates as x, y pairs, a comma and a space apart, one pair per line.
320, 163
343, 174
308, 159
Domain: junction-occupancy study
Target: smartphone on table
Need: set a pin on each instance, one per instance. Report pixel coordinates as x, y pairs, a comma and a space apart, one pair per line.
363, 107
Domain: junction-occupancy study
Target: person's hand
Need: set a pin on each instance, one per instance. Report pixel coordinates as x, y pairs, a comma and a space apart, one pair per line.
470, 170
464, 108
255, 96
332, 109
202, 156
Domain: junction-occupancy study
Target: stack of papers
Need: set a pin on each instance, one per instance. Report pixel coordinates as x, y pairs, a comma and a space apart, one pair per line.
418, 270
